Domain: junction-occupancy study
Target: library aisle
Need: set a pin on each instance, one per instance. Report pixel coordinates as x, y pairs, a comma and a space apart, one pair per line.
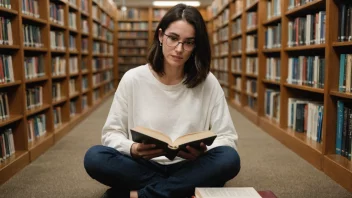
266, 165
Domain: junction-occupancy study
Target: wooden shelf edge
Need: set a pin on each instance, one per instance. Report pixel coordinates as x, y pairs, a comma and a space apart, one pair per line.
339, 169
61, 100
271, 82
37, 110
272, 20
306, 47
305, 151
305, 88
9, 11
17, 82
11, 119
40, 145
303, 7
347, 95
250, 7
13, 165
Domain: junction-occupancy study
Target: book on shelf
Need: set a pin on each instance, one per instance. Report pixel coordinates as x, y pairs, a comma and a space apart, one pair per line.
5, 31
345, 22
226, 192
171, 148
343, 144
306, 116
7, 144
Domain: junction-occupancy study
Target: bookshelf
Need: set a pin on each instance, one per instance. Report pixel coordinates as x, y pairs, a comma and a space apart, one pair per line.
52, 87
135, 31
299, 49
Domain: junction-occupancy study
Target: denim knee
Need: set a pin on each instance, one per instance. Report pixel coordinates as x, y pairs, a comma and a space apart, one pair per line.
92, 159
228, 160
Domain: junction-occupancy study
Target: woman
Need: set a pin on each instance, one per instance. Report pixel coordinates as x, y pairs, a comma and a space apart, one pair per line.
174, 93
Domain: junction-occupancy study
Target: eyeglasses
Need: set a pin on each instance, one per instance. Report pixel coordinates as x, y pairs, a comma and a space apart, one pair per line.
172, 41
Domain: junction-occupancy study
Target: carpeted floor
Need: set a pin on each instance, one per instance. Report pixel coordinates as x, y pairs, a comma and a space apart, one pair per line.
266, 165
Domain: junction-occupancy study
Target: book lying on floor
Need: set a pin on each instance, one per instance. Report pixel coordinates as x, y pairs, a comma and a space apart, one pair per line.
171, 148
227, 192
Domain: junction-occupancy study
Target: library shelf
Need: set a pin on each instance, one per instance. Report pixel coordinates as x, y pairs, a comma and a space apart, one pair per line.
339, 169
236, 54
308, 149
250, 114
11, 119
252, 53
34, 80
238, 73
74, 95
306, 47
40, 145
305, 88
253, 95
271, 51
252, 6
59, 101
271, 82
252, 30
74, 74
272, 20
235, 89
345, 95
222, 9
57, 26
10, 84
37, 109
33, 20
9, 12
235, 16
251, 75
58, 51
85, 91
308, 7
236, 36
58, 77
13, 164
342, 44
72, 7
9, 47
35, 49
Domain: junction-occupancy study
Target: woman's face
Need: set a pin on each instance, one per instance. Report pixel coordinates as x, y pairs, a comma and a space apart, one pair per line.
176, 53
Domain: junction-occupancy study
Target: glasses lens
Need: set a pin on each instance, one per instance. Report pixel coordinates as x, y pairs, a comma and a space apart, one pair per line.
172, 42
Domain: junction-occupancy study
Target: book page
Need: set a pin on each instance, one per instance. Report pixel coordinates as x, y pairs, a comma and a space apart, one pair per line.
192, 137
236, 192
152, 133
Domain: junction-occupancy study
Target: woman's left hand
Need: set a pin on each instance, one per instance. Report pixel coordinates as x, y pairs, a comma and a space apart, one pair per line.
192, 152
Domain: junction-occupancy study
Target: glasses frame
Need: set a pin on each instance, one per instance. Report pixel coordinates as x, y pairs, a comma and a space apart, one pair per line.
178, 42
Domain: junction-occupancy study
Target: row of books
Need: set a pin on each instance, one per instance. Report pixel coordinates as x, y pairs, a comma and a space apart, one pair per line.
252, 102
7, 144
252, 20
56, 91
84, 102
273, 8
305, 116
30, 7
5, 31
236, 45
72, 20
221, 49
237, 27
344, 129
131, 60
57, 40
129, 26
222, 77
135, 43
251, 43
252, 65
296, 3
57, 116
101, 63
34, 97
4, 106
136, 35
307, 30
306, 70
220, 64
131, 51
84, 83
222, 19
132, 13
223, 34
73, 108
96, 95
5, 3
32, 36
273, 69
58, 66
345, 73
6, 69
272, 104
73, 65
56, 12
72, 87
34, 67
238, 83
36, 127
251, 87
236, 64
345, 22
273, 37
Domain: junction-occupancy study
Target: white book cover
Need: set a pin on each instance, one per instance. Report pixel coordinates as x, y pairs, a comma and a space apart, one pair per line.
228, 192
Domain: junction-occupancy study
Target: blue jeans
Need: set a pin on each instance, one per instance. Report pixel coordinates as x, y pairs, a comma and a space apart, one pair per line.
153, 180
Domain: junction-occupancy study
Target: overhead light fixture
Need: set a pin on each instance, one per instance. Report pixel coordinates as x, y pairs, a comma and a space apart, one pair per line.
172, 3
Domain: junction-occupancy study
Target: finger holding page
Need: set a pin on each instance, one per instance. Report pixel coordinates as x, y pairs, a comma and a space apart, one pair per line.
187, 156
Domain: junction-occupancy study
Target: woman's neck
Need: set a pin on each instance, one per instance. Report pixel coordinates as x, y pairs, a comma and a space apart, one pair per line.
172, 76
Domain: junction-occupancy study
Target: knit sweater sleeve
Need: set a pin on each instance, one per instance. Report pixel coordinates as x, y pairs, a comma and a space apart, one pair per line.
115, 130
221, 124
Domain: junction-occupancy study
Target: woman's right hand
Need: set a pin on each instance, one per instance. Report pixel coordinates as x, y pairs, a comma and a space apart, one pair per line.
145, 151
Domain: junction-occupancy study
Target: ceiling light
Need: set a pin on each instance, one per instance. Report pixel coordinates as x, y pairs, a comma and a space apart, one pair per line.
172, 3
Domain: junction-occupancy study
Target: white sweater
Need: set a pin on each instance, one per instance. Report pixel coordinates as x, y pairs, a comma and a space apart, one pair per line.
175, 110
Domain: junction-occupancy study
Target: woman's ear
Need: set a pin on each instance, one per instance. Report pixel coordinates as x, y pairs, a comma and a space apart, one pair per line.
160, 31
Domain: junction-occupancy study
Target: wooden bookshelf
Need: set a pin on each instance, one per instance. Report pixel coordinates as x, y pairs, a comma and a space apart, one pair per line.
80, 27
322, 154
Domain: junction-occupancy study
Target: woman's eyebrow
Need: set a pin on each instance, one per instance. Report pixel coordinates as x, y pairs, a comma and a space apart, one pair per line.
174, 34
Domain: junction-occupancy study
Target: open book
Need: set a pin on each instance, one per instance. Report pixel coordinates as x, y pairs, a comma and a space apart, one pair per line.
171, 148
227, 192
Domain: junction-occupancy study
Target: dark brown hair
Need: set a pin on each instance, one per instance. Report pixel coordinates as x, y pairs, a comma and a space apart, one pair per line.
197, 66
